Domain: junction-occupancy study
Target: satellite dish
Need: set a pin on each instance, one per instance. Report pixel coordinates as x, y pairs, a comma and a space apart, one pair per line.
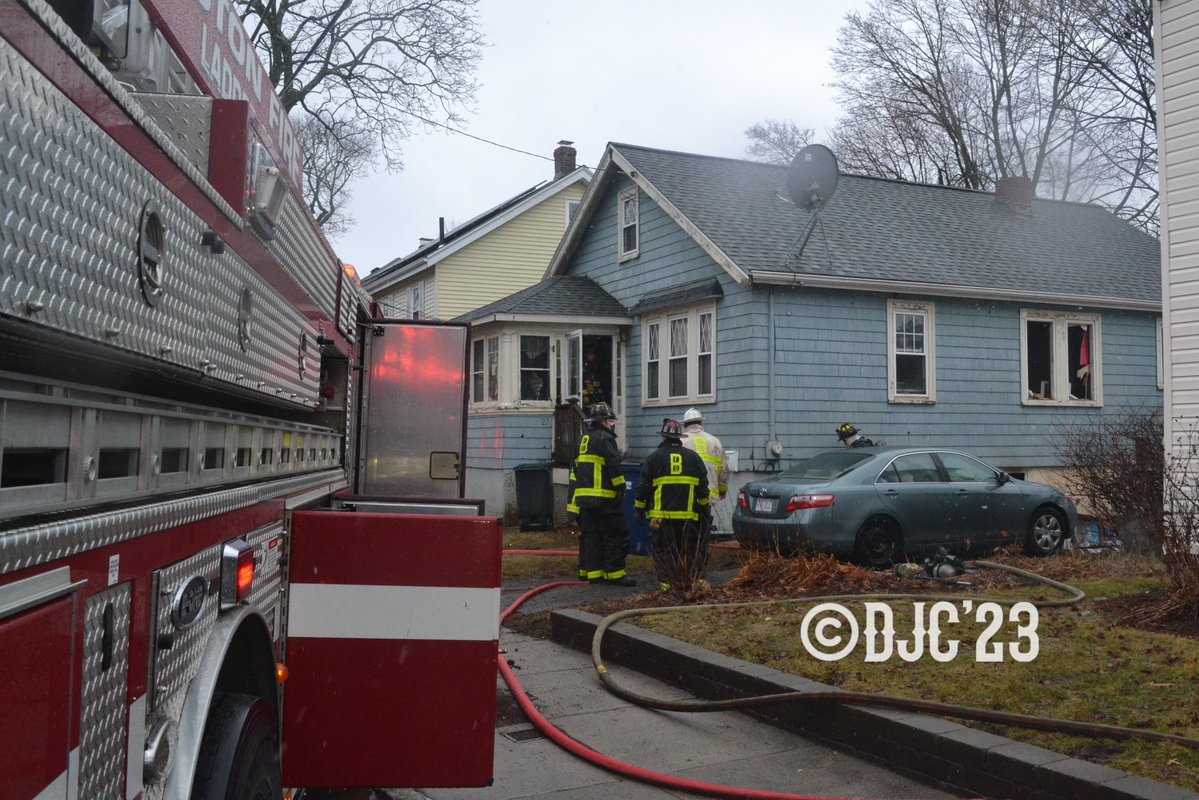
812, 177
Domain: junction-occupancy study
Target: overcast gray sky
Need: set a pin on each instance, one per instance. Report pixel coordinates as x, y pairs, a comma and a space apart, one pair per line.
688, 76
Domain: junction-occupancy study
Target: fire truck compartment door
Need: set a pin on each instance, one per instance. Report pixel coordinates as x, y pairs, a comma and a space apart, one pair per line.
413, 422
393, 622
38, 758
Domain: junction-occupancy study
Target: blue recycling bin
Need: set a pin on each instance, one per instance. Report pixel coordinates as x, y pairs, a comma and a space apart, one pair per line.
639, 536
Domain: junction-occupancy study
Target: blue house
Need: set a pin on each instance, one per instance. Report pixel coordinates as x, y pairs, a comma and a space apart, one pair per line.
922, 314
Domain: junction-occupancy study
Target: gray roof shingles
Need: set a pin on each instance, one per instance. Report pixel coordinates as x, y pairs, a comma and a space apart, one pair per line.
559, 295
878, 229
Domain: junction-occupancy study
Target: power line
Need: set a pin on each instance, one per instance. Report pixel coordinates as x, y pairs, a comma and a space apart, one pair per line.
452, 129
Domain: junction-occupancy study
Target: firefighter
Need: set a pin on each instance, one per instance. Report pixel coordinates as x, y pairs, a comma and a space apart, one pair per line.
673, 493
851, 437
597, 492
708, 448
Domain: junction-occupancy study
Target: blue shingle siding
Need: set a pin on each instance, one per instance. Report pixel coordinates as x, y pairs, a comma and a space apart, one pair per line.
504, 441
830, 357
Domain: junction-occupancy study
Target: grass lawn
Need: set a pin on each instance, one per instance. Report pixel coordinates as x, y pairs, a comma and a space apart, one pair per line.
1089, 667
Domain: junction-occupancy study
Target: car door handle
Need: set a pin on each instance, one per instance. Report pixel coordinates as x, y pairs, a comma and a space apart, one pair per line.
890, 493
962, 491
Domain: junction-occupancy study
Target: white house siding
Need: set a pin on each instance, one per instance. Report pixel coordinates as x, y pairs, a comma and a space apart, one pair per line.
1178, 136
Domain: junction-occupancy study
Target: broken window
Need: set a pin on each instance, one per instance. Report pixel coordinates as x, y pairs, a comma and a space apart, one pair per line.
534, 368
1061, 356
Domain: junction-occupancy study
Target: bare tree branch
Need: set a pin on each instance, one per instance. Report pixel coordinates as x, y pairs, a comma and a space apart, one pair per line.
363, 75
965, 92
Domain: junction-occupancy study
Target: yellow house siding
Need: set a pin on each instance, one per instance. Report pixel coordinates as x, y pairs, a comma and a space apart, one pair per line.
394, 300
506, 260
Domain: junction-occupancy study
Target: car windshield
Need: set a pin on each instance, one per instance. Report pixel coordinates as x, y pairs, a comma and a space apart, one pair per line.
825, 466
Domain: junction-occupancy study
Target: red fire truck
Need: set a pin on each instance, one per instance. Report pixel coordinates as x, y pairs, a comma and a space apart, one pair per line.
234, 553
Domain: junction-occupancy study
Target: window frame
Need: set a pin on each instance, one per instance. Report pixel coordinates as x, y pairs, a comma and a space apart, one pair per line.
631, 194
416, 300
664, 320
571, 209
1059, 376
481, 368
928, 311
547, 369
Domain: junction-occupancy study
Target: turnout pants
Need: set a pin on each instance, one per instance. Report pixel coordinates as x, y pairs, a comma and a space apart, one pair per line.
604, 544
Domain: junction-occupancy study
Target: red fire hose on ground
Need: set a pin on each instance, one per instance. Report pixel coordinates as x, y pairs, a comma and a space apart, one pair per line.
558, 737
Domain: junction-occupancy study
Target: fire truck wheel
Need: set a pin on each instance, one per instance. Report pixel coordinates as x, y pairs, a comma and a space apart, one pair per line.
239, 754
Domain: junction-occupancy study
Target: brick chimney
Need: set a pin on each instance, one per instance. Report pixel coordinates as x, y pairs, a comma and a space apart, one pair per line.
564, 159
1015, 193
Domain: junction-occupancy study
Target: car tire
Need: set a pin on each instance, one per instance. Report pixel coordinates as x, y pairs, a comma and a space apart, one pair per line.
239, 752
1047, 530
879, 544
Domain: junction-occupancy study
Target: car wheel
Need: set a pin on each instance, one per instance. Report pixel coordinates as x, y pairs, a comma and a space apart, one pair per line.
878, 544
1046, 532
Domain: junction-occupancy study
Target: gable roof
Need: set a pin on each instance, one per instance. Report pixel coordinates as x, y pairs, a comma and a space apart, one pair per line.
561, 298
885, 235
427, 255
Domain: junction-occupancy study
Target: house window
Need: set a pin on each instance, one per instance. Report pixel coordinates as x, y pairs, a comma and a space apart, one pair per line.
572, 208
1060, 355
485, 370
416, 301
534, 368
704, 362
911, 362
630, 239
687, 341
678, 358
653, 361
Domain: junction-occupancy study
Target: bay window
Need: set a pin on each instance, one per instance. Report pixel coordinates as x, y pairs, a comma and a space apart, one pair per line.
686, 339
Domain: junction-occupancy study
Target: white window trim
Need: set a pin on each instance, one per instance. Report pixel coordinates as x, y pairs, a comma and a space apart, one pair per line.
662, 319
571, 203
486, 402
1061, 321
622, 254
930, 352
519, 371
416, 300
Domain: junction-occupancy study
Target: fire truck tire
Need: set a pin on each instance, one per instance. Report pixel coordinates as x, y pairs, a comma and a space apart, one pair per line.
239, 753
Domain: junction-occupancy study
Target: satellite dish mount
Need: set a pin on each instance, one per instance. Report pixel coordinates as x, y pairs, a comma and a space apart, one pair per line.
811, 182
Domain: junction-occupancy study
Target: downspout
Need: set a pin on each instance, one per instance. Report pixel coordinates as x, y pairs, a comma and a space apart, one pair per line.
770, 369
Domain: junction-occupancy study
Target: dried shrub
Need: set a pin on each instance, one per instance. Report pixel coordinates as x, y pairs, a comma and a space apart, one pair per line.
1121, 470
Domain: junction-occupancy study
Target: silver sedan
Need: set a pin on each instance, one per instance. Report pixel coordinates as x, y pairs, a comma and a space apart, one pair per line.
878, 505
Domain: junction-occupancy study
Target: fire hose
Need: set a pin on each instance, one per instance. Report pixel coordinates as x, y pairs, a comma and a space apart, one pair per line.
573, 746
871, 699
576, 748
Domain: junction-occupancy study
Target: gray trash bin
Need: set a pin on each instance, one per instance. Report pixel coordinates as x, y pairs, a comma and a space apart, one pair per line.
534, 497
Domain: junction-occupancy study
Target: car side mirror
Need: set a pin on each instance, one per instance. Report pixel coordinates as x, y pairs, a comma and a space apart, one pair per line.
1003, 478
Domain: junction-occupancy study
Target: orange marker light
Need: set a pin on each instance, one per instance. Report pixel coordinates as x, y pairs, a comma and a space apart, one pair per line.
281, 672
352, 272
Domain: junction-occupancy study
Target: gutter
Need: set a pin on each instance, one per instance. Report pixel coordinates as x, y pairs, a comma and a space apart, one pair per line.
796, 279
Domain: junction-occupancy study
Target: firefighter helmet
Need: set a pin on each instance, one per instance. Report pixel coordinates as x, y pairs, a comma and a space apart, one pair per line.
692, 415
601, 411
845, 431
671, 429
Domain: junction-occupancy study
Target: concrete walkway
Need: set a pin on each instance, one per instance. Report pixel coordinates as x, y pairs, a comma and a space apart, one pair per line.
727, 747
